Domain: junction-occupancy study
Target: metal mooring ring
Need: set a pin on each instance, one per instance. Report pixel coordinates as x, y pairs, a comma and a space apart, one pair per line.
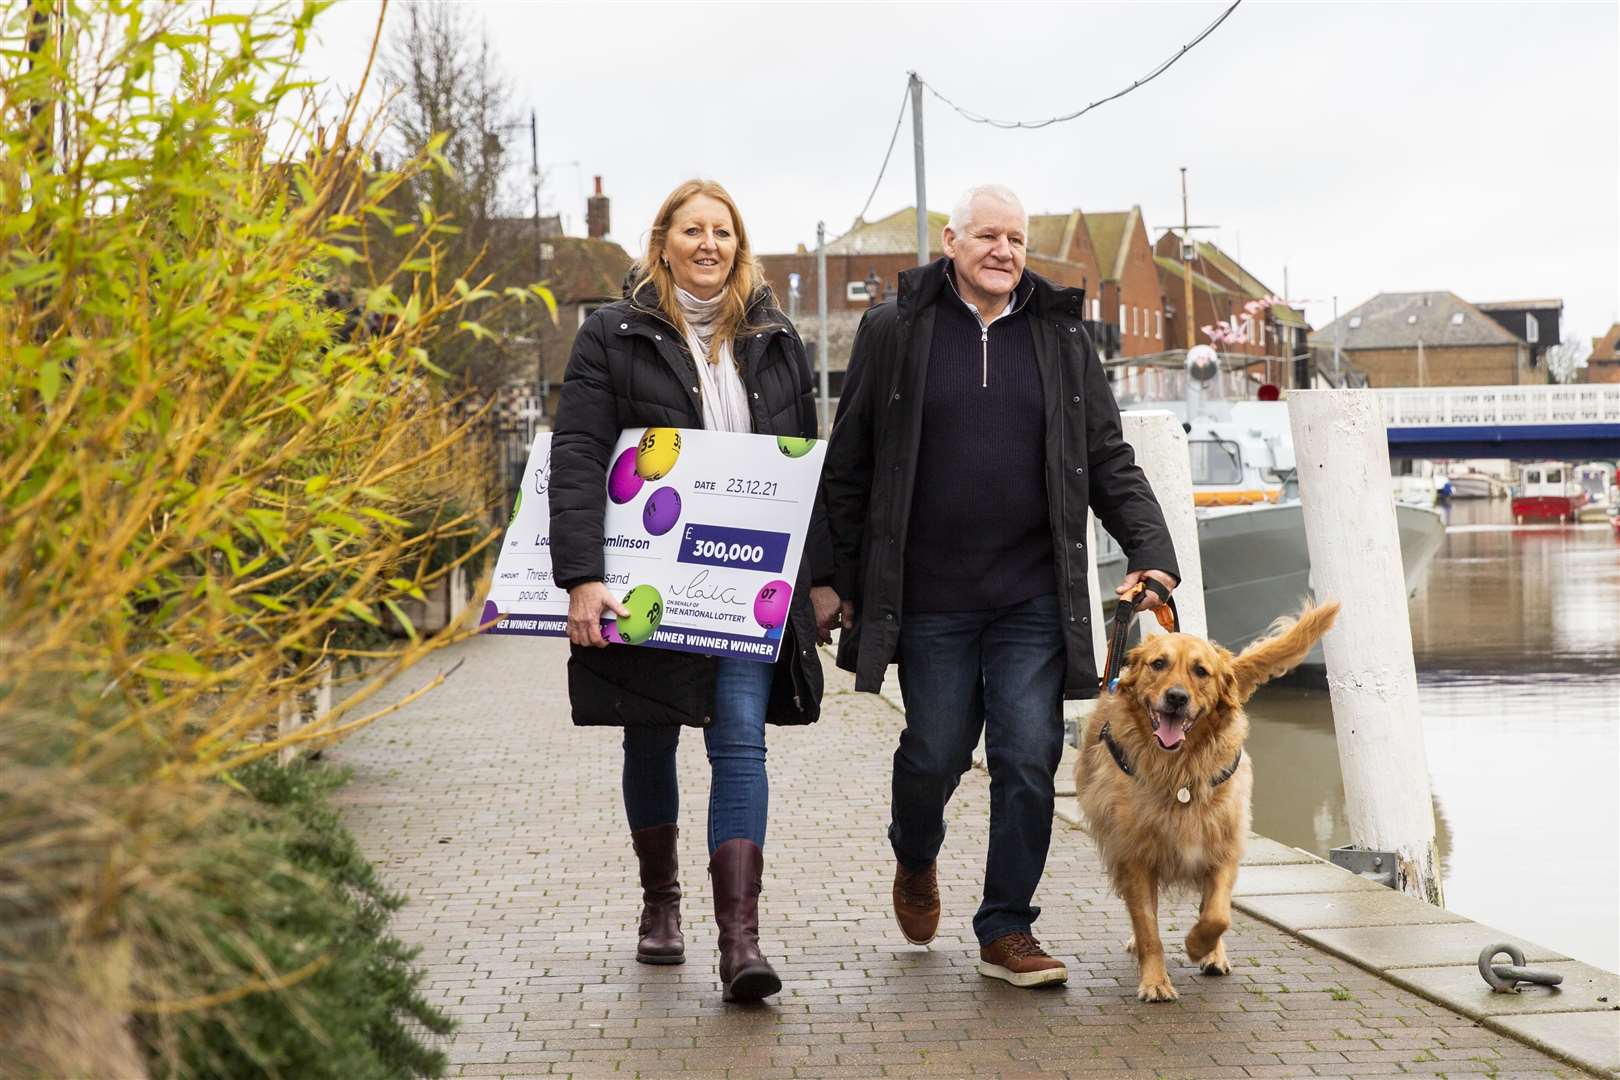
1505, 979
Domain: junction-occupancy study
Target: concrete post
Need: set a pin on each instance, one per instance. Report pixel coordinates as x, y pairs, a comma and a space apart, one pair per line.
1161, 451
1342, 453
1095, 587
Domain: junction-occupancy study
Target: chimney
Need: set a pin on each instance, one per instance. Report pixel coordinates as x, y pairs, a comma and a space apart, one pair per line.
596, 213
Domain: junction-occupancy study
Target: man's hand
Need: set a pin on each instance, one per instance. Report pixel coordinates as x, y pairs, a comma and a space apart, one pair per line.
1149, 599
585, 605
824, 602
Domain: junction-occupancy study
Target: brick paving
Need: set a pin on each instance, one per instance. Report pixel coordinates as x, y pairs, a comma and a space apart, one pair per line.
503, 823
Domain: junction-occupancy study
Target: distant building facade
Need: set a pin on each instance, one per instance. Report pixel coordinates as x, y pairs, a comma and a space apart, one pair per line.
1603, 366
1428, 339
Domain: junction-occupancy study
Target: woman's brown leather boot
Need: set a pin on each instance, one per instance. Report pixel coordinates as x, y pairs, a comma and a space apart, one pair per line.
736, 868
661, 941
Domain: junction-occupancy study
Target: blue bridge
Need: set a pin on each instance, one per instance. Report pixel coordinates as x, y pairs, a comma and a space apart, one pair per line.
1524, 423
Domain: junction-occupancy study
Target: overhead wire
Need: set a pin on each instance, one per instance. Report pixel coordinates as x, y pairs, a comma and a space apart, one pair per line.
887, 154
979, 118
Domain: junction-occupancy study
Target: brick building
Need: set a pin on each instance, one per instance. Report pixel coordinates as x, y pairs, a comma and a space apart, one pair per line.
876, 252
1221, 288
1131, 296
1428, 339
1537, 323
1603, 366
583, 273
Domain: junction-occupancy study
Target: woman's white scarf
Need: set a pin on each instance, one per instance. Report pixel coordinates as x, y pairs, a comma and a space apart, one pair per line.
725, 399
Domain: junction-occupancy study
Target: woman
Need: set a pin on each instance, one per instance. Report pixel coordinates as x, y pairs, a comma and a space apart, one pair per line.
697, 342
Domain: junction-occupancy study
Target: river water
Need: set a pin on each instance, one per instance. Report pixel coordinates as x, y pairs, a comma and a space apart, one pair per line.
1516, 633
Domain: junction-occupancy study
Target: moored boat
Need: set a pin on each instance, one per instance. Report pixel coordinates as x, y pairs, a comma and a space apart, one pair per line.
1547, 491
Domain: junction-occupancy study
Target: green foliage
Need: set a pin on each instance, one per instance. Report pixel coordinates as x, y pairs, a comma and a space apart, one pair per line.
359, 1014
221, 462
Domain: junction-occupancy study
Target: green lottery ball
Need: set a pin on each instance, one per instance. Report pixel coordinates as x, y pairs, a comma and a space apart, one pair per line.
646, 610
517, 504
794, 447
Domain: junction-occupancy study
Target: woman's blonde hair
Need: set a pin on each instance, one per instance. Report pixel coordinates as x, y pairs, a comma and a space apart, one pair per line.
745, 280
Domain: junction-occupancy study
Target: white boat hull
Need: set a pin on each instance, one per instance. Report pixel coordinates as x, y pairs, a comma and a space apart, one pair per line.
1256, 566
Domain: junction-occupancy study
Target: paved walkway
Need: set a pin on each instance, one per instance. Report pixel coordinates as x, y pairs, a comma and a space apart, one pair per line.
503, 823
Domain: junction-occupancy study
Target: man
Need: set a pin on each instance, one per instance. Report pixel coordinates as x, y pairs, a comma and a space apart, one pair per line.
975, 428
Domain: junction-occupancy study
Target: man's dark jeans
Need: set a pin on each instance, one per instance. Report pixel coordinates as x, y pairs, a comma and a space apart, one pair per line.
999, 671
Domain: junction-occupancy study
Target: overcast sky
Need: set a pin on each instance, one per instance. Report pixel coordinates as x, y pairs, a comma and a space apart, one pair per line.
1367, 147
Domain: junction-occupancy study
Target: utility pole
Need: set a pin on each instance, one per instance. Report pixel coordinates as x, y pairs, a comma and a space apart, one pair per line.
821, 323
1187, 253
922, 175
540, 257
1338, 334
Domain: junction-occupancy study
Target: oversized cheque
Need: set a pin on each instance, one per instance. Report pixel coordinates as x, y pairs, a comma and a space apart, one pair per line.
703, 532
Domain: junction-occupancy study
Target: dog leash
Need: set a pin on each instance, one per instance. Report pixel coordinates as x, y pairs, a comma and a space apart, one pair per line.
1125, 612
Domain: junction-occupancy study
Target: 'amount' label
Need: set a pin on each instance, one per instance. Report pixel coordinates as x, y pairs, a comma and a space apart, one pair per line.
742, 549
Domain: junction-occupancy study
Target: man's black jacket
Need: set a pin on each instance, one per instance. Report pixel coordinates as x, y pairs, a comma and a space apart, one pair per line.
871, 464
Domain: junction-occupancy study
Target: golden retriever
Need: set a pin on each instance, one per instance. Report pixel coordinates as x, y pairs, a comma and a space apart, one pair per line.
1178, 817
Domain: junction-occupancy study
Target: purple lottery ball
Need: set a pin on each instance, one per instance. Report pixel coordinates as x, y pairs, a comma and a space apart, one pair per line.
771, 603
623, 482
662, 511
610, 631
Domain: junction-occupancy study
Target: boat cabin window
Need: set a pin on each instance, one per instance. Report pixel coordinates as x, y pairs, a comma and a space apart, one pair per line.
1555, 476
1216, 461
1532, 476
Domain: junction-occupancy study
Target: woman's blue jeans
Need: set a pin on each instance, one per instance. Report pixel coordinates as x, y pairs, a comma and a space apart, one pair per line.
739, 794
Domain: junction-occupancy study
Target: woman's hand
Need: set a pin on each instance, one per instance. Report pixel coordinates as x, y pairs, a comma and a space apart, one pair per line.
824, 602
585, 605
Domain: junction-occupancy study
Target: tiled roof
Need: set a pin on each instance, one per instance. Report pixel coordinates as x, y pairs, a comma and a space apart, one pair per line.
1401, 320
893, 235
579, 268
1607, 347
1110, 239
1199, 280
1047, 233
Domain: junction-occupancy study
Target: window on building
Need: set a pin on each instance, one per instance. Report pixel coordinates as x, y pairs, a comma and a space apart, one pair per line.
1456, 318
1122, 318
856, 291
1532, 328
1355, 322
1158, 325
1096, 310
586, 308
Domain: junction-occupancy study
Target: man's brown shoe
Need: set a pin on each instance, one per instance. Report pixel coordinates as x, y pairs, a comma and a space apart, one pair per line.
1020, 960
916, 903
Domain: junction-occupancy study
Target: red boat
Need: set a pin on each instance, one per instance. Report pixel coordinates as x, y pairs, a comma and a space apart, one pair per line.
1547, 491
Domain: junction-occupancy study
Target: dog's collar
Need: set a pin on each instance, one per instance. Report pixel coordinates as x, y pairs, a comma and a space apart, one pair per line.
1117, 752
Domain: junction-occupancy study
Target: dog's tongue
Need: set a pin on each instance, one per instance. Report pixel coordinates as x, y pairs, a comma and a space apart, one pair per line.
1169, 733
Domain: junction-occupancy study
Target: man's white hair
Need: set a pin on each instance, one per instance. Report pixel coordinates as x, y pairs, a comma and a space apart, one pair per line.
962, 212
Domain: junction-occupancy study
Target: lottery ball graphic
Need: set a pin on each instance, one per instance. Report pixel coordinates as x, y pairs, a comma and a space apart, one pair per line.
491, 614
771, 603
517, 504
657, 451
610, 632
662, 511
794, 447
624, 483
646, 610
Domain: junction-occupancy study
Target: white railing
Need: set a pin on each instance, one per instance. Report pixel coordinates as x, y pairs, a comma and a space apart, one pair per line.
1459, 406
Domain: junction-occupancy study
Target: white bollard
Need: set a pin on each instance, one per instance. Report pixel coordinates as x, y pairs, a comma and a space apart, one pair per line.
1094, 588
1161, 451
1341, 450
